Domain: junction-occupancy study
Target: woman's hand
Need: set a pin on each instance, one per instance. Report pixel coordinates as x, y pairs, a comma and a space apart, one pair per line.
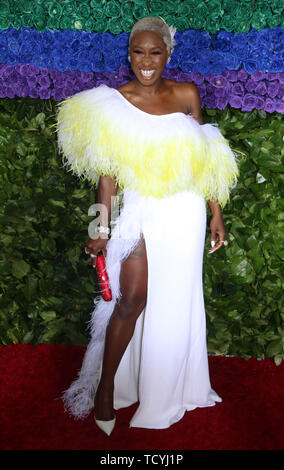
217, 227
218, 232
93, 246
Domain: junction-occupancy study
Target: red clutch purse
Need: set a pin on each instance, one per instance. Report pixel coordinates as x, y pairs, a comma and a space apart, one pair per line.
103, 277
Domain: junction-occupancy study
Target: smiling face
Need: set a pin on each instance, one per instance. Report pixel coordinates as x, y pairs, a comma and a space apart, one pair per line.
148, 54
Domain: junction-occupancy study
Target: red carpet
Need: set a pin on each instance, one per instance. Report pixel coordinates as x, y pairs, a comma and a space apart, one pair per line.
251, 416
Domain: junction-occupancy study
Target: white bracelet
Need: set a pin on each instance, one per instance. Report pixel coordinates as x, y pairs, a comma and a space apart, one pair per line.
101, 229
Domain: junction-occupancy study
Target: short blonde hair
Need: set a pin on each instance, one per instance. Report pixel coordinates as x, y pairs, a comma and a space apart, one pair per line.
157, 25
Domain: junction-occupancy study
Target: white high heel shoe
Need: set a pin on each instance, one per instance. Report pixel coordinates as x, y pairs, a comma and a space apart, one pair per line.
106, 426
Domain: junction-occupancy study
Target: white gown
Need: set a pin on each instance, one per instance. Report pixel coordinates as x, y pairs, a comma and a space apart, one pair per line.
165, 366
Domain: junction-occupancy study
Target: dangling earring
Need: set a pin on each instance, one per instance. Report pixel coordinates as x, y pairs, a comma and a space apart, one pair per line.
129, 58
169, 59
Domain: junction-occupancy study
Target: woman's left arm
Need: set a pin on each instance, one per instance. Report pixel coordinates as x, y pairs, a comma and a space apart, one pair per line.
217, 227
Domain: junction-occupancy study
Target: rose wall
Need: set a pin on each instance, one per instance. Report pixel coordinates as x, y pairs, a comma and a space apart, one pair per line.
233, 51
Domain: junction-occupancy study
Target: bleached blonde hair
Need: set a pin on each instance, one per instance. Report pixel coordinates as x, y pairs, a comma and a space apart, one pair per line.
157, 25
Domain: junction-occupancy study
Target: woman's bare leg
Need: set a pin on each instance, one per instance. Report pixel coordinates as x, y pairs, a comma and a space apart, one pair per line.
133, 287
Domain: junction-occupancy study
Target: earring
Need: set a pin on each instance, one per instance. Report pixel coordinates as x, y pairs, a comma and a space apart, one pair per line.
169, 59
129, 58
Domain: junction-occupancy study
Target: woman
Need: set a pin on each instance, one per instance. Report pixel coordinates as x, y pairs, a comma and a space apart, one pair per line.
149, 344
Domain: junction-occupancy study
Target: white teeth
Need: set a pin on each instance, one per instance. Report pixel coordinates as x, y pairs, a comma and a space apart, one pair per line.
147, 73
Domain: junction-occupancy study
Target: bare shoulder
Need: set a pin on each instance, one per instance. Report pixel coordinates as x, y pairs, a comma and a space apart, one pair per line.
186, 90
188, 94
126, 87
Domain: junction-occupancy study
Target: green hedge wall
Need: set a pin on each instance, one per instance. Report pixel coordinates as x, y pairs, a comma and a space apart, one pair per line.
47, 287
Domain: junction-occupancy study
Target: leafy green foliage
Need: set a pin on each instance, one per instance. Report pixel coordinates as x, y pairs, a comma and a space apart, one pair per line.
47, 288
244, 282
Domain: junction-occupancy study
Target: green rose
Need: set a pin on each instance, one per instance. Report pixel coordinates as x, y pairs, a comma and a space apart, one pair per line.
27, 20
112, 9
101, 25
229, 23
276, 6
98, 13
230, 5
55, 10
4, 10
65, 23
181, 24
157, 6
140, 12
53, 23
126, 9
139, 2
258, 20
184, 9
90, 24
68, 7
274, 20
114, 26
172, 5
84, 11
127, 23
16, 21
212, 25
4, 22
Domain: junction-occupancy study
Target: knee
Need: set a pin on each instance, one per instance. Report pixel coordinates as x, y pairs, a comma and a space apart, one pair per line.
131, 305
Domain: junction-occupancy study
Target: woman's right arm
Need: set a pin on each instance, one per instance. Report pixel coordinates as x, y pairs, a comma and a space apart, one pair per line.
107, 189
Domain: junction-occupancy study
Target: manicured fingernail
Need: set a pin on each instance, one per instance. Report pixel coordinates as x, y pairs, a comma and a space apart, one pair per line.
212, 243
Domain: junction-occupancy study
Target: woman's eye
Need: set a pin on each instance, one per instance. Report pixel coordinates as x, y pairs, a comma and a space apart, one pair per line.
137, 52
157, 53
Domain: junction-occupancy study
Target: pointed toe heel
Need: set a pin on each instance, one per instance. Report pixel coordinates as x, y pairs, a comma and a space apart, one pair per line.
106, 426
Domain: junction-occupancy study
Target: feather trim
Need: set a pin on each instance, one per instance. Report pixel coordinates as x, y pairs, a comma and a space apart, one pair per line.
101, 133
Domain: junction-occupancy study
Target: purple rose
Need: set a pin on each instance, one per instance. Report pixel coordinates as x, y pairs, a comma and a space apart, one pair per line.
22, 91
249, 102
2, 91
57, 94
250, 85
8, 70
257, 76
44, 93
261, 88
230, 75
279, 107
259, 102
222, 102
273, 89
34, 93
281, 90
235, 101
269, 105
197, 78
238, 89
10, 92
31, 81
242, 75
202, 90
27, 70
44, 81
218, 81
210, 101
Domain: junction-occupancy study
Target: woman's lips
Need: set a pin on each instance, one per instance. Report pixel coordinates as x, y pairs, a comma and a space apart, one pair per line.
147, 73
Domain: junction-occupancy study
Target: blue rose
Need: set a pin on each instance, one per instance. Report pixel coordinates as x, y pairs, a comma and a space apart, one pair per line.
250, 66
